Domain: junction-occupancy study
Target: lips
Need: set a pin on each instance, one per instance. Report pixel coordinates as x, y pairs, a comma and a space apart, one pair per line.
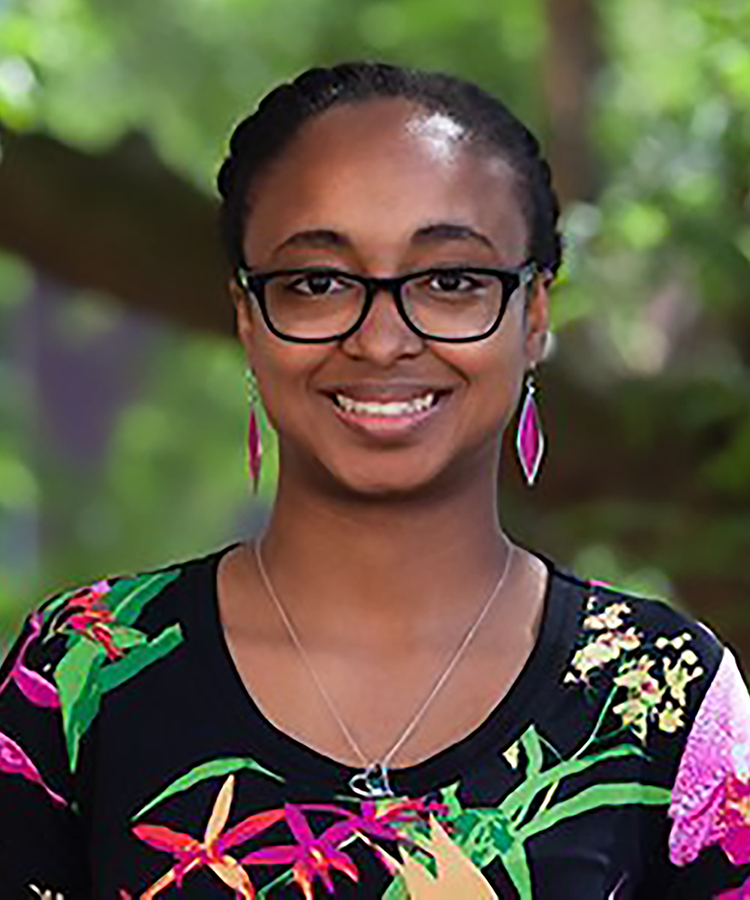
387, 412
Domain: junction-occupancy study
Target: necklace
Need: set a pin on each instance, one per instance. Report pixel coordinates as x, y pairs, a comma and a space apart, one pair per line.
372, 782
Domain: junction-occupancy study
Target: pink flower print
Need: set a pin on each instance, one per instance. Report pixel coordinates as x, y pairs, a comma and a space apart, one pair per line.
15, 761
31, 684
35, 688
710, 795
311, 857
734, 820
740, 893
378, 820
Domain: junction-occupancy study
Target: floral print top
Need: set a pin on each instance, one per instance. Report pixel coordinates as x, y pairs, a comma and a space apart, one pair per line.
134, 764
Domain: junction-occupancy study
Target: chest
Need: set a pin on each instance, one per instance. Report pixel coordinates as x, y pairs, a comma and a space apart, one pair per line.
331, 700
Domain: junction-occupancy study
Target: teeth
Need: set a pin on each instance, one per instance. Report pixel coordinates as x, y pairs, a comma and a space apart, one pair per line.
394, 408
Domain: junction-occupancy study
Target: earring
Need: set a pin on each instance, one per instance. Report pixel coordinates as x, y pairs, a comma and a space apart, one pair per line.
254, 447
529, 437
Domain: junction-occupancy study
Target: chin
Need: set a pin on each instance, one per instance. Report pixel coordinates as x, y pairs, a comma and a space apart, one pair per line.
387, 480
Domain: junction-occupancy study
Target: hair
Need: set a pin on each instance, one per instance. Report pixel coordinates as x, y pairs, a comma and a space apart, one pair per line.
280, 114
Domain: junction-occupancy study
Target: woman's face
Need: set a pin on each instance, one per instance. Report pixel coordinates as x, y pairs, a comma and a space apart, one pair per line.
384, 188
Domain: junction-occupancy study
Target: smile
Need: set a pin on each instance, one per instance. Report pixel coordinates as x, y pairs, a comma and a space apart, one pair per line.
391, 409
388, 419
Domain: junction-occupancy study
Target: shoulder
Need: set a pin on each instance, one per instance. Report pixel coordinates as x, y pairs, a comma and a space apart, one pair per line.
82, 643
653, 661
110, 610
109, 619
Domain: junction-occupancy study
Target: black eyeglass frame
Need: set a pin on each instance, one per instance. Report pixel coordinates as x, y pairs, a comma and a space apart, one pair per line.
512, 278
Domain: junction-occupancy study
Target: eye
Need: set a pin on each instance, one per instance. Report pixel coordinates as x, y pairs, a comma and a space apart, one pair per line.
319, 284
453, 281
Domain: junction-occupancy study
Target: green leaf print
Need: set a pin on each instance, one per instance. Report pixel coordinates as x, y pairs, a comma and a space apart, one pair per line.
527, 790
128, 597
483, 834
76, 680
533, 747
85, 712
284, 878
517, 866
140, 656
107, 651
124, 637
212, 769
592, 798
397, 890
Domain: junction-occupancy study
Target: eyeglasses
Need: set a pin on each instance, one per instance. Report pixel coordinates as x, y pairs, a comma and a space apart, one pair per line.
319, 304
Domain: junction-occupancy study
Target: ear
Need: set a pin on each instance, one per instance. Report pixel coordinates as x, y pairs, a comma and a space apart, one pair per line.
243, 310
536, 319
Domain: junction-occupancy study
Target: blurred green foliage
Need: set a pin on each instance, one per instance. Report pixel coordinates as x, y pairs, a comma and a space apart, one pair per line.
665, 244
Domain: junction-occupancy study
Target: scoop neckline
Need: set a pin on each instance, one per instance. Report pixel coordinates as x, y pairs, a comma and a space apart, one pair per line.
523, 702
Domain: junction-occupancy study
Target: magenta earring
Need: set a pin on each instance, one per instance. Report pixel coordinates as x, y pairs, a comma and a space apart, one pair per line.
529, 438
254, 446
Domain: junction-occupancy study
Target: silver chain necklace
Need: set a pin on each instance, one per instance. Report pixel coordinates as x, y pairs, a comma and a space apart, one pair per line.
372, 781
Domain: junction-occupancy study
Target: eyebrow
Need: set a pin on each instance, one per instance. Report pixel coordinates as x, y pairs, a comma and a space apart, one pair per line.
449, 231
326, 238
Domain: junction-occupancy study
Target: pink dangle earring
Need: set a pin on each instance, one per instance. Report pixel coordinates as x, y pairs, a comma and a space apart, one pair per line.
254, 446
529, 437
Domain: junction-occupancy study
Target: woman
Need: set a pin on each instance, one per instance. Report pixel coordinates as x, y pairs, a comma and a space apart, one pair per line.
383, 696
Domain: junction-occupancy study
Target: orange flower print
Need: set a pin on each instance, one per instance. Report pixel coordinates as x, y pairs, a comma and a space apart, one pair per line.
192, 854
94, 620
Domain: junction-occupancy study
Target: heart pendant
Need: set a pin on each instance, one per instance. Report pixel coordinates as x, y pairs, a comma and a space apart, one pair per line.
372, 783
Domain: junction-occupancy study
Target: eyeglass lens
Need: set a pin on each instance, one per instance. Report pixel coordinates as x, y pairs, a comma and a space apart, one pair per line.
450, 304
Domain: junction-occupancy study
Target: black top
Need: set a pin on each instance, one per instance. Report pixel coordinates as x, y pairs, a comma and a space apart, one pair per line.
133, 763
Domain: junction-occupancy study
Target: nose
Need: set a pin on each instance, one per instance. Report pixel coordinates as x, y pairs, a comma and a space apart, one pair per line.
384, 336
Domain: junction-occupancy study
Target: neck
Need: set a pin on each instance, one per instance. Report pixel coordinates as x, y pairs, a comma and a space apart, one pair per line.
403, 560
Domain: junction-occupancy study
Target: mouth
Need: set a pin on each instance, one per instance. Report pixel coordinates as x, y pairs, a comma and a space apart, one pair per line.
388, 416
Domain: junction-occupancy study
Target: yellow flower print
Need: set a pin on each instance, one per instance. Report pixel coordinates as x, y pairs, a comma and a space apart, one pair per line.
670, 718
644, 694
677, 676
47, 894
634, 714
511, 755
607, 646
636, 678
609, 618
677, 642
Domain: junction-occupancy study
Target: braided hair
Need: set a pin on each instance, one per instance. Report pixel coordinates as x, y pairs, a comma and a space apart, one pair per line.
262, 135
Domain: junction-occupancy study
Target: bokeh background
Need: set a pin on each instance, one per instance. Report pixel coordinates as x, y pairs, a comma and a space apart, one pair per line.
122, 408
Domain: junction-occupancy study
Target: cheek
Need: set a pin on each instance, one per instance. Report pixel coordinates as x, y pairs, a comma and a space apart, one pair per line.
493, 375
284, 373
492, 370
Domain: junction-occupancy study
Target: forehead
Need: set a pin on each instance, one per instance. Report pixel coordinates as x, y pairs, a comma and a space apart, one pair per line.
379, 170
